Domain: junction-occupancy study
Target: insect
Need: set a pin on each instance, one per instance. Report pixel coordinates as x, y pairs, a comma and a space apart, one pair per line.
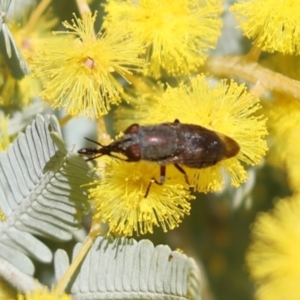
174, 143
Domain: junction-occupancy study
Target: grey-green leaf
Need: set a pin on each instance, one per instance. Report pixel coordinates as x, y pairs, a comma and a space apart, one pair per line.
8, 47
126, 269
43, 191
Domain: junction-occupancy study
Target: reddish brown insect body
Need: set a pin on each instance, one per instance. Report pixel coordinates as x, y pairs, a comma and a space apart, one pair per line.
175, 143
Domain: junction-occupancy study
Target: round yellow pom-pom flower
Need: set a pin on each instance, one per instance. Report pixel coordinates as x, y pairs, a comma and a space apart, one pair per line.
273, 24
293, 163
283, 124
273, 257
226, 109
177, 33
283, 120
119, 197
78, 74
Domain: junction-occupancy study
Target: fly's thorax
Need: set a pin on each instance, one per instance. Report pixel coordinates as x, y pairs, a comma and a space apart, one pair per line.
158, 142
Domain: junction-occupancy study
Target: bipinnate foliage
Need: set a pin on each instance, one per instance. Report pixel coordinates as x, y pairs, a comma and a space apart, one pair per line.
127, 269
42, 193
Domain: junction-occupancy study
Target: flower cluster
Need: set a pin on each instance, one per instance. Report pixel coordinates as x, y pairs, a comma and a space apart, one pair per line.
82, 72
226, 109
274, 253
151, 53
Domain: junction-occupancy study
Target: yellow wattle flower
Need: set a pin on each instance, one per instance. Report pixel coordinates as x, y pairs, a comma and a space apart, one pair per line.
273, 256
226, 108
283, 115
119, 197
177, 34
292, 159
274, 25
283, 124
78, 68
43, 294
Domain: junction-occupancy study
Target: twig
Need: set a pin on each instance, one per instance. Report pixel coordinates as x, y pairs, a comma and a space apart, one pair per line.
240, 67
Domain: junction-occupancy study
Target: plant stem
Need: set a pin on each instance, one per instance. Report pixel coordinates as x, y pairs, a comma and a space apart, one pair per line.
83, 6
241, 67
64, 120
96, 228
95, 231
36, 14
254, 54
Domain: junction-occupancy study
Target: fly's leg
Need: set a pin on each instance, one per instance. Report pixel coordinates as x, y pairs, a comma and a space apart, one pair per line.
160, 182
181, 170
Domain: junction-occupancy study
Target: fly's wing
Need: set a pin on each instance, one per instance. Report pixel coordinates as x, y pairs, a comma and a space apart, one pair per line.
199, 147
8, 48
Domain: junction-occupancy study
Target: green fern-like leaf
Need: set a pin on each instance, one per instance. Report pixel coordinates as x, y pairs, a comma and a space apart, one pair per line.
42, 193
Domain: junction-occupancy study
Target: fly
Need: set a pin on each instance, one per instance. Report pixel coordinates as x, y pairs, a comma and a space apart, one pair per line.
174, 143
